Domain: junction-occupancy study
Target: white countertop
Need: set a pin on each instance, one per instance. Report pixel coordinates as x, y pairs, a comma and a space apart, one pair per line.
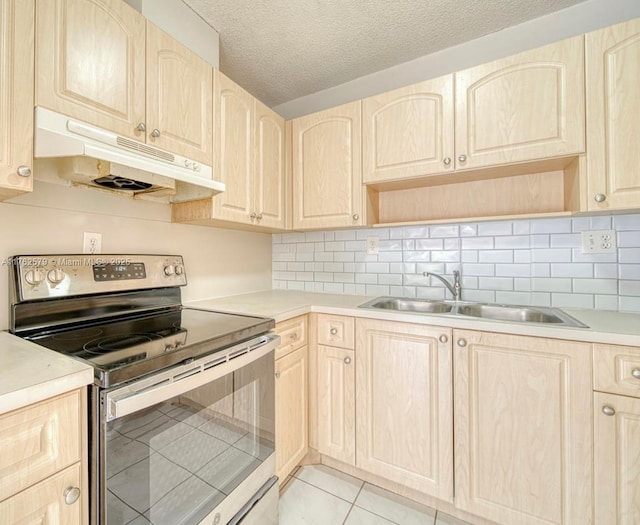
604, 326
30, 373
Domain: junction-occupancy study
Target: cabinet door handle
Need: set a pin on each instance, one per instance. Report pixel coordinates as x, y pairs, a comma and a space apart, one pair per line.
333, 331
155, 133
600, 197
462, 343
462, 158
608, 411
356, 217
443, 339
446, 161
636, 373
293, 336
259, 217
347, 360
277, 375
24, 171
253, 216
142, 127
71, 495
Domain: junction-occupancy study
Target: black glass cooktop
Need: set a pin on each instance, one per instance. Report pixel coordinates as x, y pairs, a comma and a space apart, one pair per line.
127, 348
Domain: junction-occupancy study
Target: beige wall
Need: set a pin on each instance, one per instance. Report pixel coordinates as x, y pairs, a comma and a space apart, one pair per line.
53, 219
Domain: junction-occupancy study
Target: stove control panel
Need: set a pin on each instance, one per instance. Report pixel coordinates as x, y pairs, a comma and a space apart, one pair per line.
49, 276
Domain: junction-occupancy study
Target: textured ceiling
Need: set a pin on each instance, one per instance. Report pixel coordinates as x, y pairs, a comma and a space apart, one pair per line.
280, 50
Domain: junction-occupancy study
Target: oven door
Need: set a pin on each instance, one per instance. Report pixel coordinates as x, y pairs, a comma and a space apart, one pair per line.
190, 445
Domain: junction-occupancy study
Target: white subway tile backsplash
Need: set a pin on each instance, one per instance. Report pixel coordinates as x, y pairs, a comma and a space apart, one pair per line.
495, 228
537, 261
551, 226
572, 300
495, 256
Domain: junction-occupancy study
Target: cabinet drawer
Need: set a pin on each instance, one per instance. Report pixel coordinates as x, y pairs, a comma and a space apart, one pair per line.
293, 333
616, 369
45, 502
39, 441
336, 330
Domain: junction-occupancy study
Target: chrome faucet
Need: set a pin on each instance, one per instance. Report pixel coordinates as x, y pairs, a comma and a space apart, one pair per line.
456, 289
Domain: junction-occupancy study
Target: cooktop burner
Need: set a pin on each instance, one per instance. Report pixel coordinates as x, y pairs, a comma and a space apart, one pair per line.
129, 347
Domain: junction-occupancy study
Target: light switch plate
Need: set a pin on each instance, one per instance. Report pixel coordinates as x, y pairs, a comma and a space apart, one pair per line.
599, 241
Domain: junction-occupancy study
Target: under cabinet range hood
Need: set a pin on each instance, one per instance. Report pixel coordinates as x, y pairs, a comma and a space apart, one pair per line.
101, 159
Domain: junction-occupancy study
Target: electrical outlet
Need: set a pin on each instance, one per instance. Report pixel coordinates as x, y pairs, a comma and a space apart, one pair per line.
600, 241
372, 245
92, 243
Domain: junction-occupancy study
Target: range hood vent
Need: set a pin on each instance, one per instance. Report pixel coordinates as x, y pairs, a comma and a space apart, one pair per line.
98, 158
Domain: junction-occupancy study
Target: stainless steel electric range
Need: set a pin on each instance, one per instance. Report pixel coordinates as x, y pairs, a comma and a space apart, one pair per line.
182, 408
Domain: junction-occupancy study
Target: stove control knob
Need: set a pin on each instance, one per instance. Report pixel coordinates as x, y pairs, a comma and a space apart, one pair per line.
55, 276
179, 269
34, 277
169, 270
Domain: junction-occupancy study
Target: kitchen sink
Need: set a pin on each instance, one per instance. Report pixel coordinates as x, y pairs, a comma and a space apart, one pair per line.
495, 312
410, 305
518, 314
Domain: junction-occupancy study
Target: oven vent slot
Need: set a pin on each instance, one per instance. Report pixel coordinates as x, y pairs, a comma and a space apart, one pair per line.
238, 353
188, 373
215, 362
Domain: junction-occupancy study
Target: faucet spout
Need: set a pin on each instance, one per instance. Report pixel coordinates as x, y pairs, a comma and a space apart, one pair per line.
455, 289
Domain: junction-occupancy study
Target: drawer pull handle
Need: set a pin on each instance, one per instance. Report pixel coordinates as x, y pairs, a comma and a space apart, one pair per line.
636, 373
293, 336
443, 339
608, 411
333, 331
347, 360
71, 495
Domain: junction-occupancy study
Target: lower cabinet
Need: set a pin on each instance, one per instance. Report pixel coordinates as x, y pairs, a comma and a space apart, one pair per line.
43, 462
291, 411
404, 404
336, 403
617, 459
523, 434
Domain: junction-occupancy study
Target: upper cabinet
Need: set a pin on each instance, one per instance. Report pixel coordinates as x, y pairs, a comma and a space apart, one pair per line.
91, 63
179, 98
270, 171
94, 63
16, 96
613, 117
234, 132
408, 132
521, 108
326, 165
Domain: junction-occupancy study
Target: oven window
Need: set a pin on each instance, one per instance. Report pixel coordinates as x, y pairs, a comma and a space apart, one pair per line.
174, 462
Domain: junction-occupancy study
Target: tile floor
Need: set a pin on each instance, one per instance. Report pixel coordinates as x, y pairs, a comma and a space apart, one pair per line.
319, 495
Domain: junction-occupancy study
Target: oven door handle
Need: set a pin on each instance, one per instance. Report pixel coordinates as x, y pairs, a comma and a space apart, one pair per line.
159, 388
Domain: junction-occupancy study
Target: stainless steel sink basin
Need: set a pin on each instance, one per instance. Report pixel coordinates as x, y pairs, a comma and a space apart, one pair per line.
518, 314
496, 312
409, 305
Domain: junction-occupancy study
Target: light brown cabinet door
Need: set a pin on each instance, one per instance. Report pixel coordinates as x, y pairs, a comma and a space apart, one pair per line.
16, 96
613, 116
291, 411
90, 62
270, 176
45, 503
327, 170
522, 427
38, 441
234, 140
336, 403
404, 404
524, 107
617, 459
408, 132
179, 98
